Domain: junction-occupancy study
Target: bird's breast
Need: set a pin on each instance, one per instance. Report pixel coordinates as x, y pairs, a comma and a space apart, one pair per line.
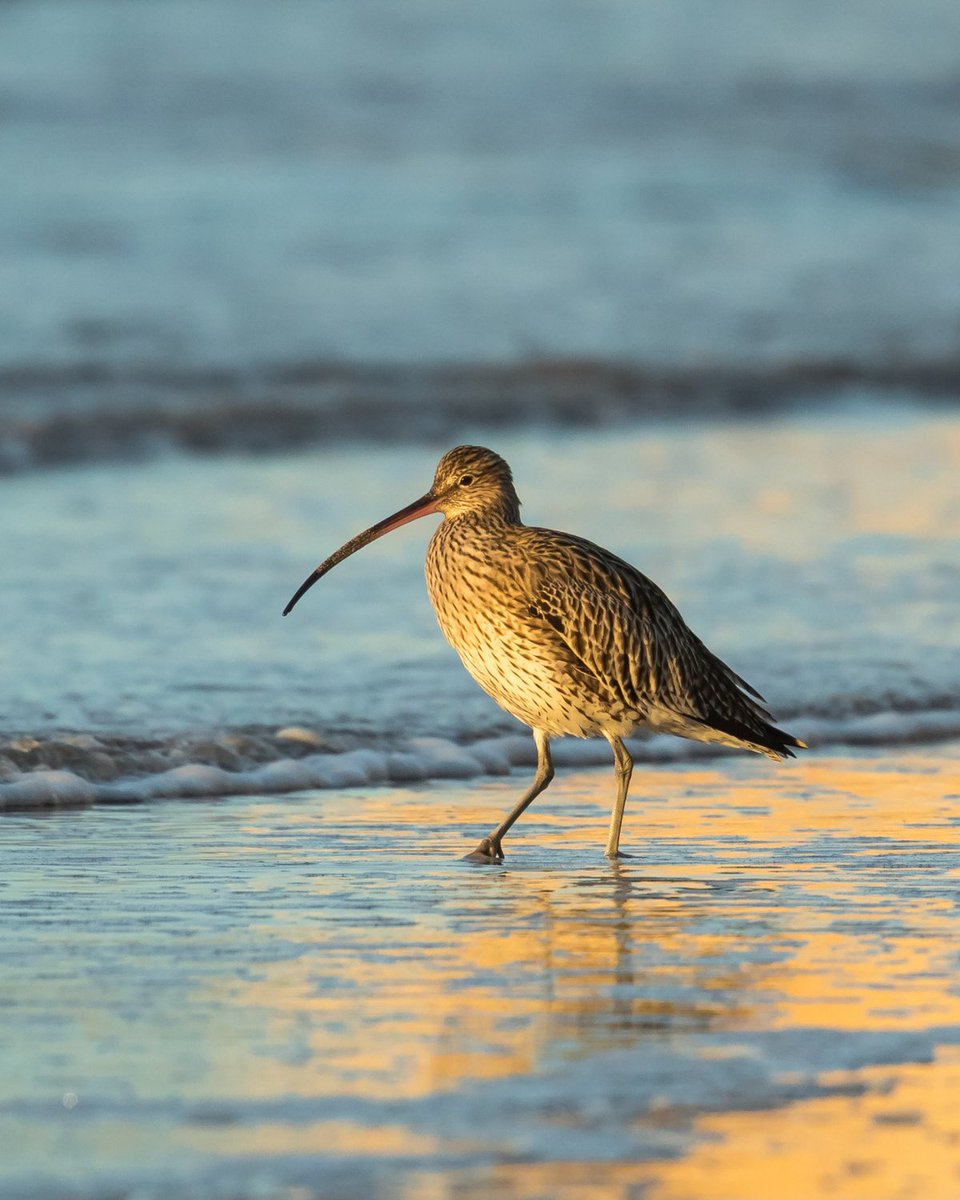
475, 584
478, 588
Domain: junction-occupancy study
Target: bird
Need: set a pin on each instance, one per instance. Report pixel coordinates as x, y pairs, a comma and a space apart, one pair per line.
565, 635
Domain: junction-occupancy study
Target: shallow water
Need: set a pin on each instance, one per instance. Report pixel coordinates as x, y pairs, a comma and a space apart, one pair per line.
313, 996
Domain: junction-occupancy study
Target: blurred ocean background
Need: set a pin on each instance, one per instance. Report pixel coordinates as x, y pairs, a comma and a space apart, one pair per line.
693, 268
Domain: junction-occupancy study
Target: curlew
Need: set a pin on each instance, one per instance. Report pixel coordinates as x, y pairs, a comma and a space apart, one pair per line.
564, 635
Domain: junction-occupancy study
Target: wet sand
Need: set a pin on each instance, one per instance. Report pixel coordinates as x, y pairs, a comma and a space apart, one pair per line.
312, 995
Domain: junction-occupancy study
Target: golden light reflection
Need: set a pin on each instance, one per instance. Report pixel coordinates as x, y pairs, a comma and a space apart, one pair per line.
900, 1139
741, 910
329, 1138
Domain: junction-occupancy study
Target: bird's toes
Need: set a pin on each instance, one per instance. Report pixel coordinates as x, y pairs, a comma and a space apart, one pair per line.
487, 853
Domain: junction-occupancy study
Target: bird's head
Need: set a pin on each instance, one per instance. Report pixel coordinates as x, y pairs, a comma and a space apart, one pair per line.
471, 479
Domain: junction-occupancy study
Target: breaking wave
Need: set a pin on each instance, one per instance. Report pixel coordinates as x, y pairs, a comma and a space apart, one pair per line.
92, 412
78, 770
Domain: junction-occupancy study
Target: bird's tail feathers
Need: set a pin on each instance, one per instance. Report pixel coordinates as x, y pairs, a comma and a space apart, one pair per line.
761, 737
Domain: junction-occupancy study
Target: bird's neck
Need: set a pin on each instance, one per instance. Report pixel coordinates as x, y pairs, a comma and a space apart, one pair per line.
497, 515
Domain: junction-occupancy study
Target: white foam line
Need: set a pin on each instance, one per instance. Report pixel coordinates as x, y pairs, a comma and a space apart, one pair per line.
432, 758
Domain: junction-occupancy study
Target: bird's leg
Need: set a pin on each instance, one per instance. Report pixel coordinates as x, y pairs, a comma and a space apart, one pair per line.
624, 770
490, 849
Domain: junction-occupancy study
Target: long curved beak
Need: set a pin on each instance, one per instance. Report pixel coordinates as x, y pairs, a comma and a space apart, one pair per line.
419, 508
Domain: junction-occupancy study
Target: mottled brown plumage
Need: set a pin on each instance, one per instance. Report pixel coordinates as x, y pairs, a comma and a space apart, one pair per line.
564, 635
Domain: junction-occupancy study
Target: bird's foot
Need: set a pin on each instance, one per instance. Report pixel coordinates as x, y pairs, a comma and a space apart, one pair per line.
487, 853
618, 854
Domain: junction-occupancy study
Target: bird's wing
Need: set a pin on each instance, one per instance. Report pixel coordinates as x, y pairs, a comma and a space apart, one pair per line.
625, 631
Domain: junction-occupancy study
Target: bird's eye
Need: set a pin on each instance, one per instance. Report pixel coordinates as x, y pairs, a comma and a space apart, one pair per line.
465, 480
